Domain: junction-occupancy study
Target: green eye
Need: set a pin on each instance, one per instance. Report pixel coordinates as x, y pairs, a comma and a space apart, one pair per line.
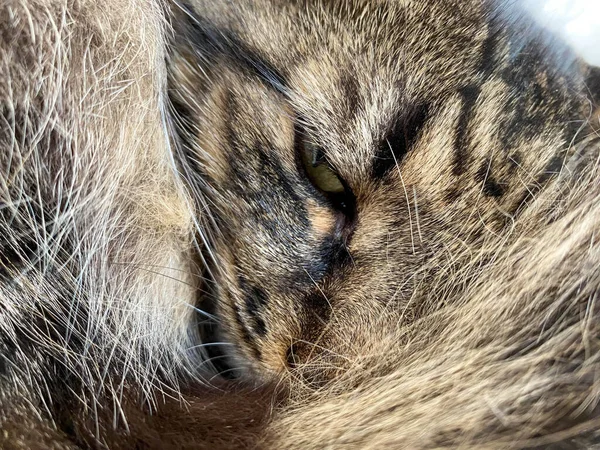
323, 176
319, 171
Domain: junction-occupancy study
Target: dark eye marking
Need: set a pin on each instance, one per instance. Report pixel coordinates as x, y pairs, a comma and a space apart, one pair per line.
399, 140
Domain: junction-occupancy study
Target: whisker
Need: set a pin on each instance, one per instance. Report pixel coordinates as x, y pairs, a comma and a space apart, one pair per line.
408, 208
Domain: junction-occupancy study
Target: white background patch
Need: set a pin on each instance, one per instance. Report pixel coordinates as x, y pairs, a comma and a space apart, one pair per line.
575, 21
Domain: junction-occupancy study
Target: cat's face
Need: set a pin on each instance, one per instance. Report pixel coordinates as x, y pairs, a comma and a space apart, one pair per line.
353, 158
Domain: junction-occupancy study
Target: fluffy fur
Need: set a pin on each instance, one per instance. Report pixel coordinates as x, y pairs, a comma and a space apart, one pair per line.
150, 181
95, 234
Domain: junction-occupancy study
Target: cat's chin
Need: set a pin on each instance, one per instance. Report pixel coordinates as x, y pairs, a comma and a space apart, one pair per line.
216, 356
217, 359
221, 359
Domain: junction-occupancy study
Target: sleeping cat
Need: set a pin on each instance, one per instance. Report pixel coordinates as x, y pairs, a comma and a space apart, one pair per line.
303, 224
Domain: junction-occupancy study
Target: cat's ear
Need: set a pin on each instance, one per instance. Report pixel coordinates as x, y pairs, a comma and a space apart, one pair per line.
577, 22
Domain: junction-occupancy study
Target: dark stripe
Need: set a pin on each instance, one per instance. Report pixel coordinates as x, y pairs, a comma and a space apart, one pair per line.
183, 121
259, 326
515, 161
255, 300
210, 41
491, 187
317, 312
452, 194
351, 95
488, 62
552, 169
335, 253
469, 96
183, 118
329, 259
246, 336
399, 141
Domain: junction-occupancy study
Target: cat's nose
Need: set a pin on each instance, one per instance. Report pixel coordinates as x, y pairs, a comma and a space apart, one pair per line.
278, 357
294, 358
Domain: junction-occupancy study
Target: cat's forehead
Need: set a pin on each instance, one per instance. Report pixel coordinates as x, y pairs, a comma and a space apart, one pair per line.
351, 70
365, 40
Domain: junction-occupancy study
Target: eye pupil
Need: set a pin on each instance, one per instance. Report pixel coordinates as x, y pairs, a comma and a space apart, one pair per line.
318, 156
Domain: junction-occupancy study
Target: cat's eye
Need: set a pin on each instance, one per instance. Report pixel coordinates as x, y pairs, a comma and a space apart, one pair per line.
323, 176
318, 169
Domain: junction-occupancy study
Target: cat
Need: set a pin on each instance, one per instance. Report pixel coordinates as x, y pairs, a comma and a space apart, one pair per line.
303, 224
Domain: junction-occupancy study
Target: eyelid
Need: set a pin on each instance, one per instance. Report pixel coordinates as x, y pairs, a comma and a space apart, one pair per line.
317, 153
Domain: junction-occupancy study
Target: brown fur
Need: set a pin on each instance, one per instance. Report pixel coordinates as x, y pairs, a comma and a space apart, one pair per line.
454, 306
464, 310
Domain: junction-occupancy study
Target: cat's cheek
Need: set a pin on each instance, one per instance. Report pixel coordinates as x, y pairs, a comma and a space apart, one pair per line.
321, 219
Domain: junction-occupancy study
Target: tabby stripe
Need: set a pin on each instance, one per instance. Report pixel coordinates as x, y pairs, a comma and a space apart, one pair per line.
255, 300
351, 95
487, 62
316, 314
246, 335
552, 169
469, 96
399, 140
211, 41
491, 187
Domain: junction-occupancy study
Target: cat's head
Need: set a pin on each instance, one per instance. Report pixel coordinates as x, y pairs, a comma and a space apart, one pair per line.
356, 164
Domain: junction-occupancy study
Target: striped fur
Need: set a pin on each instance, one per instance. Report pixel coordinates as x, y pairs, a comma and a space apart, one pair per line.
159, 236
